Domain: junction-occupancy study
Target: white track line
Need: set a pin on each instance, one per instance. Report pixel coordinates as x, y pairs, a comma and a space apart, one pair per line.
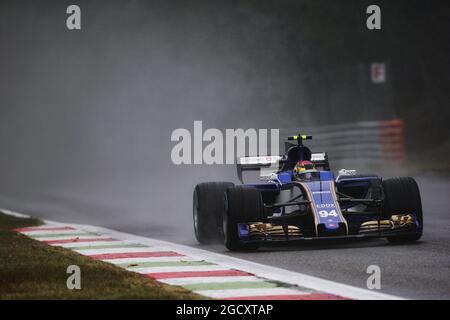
197, 280
147, 270
14, 214
230, 293
149, 259
92, 244
228, 262
51, 232
90, 252
89, 236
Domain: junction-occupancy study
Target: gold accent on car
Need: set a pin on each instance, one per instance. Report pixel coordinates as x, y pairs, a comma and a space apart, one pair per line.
403, 220
397, 221
269, 230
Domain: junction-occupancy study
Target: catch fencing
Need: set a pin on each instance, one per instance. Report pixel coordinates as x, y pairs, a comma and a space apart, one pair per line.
374, 143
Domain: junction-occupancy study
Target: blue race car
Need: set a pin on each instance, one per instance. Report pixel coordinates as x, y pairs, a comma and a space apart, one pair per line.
303, 200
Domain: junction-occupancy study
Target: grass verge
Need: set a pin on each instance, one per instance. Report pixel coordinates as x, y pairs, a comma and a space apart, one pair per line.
30, 269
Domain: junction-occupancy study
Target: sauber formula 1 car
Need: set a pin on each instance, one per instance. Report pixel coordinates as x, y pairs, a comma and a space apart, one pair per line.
302, 200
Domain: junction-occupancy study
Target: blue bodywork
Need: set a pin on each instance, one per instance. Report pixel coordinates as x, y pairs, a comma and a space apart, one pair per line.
316, 204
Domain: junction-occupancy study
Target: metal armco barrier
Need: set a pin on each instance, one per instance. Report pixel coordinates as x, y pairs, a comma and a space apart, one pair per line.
368, 142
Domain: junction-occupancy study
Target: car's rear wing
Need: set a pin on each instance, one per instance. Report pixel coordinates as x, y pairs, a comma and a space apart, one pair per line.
256, 163
319, 159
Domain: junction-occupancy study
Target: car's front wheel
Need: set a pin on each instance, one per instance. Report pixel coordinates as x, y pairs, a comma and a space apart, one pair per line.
243, 204
208, 207
402, 196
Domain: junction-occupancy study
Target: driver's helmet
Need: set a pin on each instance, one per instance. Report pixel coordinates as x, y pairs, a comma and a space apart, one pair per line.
302, 167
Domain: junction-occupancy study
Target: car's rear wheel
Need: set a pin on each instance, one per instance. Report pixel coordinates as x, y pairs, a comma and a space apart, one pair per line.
208, 208
243, 204
402, 196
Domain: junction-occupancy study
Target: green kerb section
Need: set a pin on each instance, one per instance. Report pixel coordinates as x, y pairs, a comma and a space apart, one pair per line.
164, 264
54, 235
232, 285
109, 246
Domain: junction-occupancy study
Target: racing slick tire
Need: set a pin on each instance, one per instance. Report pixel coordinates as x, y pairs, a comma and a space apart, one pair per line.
208, 208
243, 204
402, 195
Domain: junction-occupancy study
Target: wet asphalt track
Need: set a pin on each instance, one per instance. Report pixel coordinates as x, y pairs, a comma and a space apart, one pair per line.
419, 270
